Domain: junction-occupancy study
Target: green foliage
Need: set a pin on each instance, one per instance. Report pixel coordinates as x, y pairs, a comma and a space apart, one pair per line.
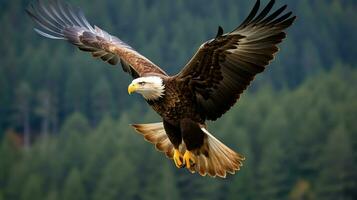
33, 188
302, 190
52, 195
338, 180
73, 187
297, 143
296, 125
118, 173
241, 185
102, 100
75, 124
273, 173
75, 97
9, 154
168, 33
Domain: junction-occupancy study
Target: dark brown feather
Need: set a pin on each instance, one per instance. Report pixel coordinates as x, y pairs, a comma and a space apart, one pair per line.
251, 14
224, 67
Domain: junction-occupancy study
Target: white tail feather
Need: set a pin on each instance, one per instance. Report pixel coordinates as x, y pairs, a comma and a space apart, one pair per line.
213, 158
216, 159
155, 134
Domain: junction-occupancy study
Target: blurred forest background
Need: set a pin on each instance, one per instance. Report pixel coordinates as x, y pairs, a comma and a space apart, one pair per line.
64, 117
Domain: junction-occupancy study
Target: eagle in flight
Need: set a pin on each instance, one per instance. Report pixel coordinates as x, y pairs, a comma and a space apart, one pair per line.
207, 86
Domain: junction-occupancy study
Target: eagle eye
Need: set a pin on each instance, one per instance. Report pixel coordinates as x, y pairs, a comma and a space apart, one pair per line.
141, 83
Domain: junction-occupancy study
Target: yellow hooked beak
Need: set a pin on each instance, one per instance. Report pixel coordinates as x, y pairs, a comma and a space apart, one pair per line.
132, 88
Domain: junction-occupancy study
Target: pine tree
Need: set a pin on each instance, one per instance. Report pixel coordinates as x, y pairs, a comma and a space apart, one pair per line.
75, 93
52, 195
167, 186
33, 188
73, 187
72, 153
272, 173
43, 110
159, 183
76, 124
118, 173
23, 102
102, 102
302, 190
101, 148
241, 185
310, 60
2, 195
4, 100
337, 178
9, 154
204, 187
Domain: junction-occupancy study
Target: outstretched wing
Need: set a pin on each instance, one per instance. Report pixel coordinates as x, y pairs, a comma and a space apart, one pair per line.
223, 67
59, 20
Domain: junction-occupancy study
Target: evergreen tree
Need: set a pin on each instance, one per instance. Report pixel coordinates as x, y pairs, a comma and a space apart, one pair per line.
337, 178
43, 110
72, 152
73, 187
4, 100
101, 148
102, 102
302, 190
159, 183
167, 186
242, 185
75, 93
52, 195
23, 111
120, 174
75, 124
33, 188
9, 154
196, 187
310, 59
273, 175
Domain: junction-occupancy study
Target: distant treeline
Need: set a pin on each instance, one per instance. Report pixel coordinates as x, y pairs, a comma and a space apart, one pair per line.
43, 81
299, 144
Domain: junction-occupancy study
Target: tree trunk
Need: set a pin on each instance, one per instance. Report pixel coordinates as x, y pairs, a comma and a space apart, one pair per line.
27, 130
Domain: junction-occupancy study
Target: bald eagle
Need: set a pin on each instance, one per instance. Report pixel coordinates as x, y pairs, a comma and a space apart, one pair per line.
207, 86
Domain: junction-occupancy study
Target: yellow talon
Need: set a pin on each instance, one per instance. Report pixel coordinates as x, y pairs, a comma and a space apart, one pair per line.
189, 157
177, 158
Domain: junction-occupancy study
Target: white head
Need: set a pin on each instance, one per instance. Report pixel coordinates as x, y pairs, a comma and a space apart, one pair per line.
151, 87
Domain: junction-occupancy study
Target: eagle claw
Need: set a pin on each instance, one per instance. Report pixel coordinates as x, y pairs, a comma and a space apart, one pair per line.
178, 159
189, 159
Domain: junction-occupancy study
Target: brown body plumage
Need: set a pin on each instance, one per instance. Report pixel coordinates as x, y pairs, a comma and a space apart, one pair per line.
207, 87
177, 103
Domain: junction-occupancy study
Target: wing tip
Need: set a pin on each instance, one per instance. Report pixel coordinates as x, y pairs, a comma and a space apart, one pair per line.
263, 17
219, 32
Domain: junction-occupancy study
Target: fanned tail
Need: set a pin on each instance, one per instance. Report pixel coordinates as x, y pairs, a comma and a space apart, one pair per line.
155, 134
216, 159
213, 158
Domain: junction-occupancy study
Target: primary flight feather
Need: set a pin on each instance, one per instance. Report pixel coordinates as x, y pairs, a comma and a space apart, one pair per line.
206, 88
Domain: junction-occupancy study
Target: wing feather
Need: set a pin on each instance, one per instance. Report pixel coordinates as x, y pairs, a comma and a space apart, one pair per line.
263, 13
223, 67
251, 14
59, 20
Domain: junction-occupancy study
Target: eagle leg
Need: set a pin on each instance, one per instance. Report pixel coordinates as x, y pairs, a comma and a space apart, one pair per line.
189, 159
178, 158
